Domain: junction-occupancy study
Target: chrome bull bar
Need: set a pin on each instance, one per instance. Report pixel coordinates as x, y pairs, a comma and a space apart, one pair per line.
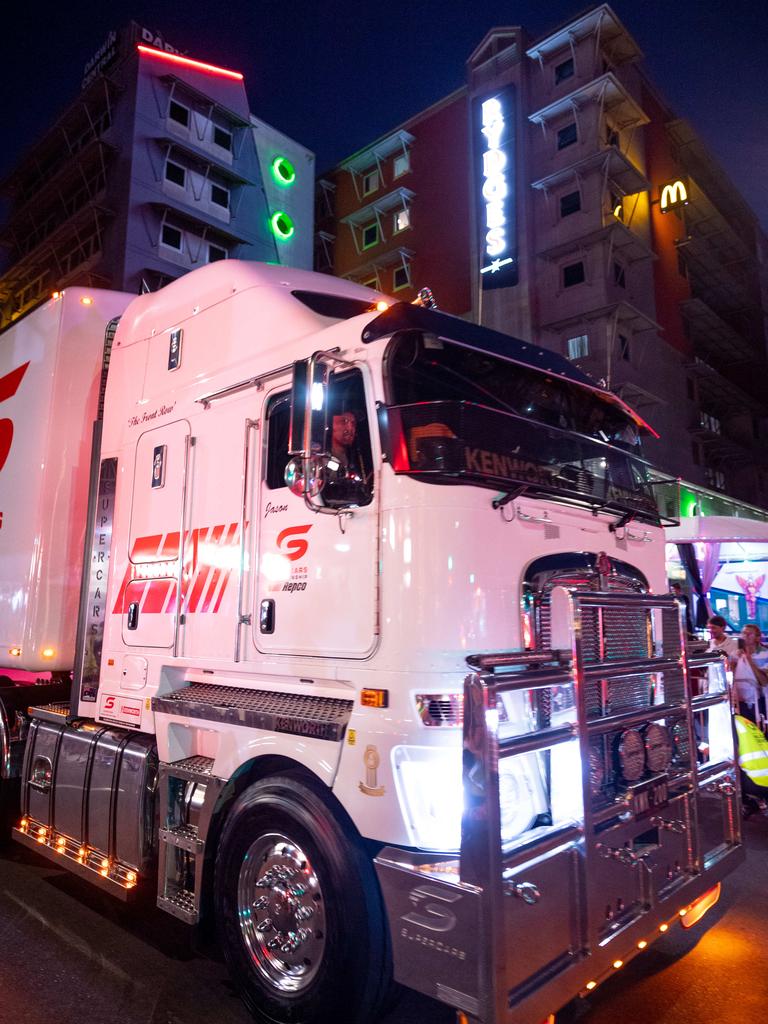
510, 931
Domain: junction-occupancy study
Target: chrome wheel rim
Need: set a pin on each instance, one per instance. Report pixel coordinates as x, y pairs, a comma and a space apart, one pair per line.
281, 912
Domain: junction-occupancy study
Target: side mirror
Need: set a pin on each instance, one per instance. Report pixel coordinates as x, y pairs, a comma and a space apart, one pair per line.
306, 477
309, 407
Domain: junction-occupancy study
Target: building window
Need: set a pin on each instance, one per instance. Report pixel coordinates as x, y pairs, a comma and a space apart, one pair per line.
578, 347
611, 137
564, 71
567, 136
619, 275
175, 173
179, 113
401, 278
171, 237
570, 203
216, 253
220, 196
402, 220
624, 352
371, 234
573, 274
401, 164
370, 182
371, 283
222, 138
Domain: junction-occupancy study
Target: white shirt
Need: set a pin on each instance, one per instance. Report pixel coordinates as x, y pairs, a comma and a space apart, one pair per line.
728, 645
744, 680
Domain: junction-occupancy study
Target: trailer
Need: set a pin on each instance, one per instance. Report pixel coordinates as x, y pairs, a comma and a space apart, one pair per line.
373, 664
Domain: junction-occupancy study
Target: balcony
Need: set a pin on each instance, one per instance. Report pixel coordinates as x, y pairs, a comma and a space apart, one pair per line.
602, 23
606, 91
713, 337
610, 162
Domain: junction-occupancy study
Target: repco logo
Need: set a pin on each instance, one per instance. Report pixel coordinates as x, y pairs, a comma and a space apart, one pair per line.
9, 385
291, 544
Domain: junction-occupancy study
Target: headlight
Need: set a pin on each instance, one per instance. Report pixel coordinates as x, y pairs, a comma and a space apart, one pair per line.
630, 754
429, 788
658, 747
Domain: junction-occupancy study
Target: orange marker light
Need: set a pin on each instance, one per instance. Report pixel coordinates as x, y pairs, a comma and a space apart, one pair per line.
15, 652
48, 652
699, 907
617, 964
663, 927
382, 306
86, 300
370, 698
590, 985
642, 944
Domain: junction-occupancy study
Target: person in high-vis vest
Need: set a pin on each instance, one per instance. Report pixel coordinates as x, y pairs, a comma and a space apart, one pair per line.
753, 761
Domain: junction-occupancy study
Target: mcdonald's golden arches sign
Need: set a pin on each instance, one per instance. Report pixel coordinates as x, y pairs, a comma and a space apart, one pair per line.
673, 195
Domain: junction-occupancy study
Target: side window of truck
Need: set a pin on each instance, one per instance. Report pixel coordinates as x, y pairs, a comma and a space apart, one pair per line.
349, 475
278, 420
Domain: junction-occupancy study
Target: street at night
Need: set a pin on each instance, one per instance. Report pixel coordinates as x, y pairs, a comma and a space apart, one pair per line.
73, 956
384, 514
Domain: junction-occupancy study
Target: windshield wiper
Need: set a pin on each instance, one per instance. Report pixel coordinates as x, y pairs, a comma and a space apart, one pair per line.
509, 496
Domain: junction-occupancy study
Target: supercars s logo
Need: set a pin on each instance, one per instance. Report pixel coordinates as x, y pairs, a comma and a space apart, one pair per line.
292, 545
9, 385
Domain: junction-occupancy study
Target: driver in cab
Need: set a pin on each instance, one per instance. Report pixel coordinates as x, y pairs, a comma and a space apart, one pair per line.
346, 478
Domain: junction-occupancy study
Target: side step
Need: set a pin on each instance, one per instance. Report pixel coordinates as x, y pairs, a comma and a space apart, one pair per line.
324, 718
188, 794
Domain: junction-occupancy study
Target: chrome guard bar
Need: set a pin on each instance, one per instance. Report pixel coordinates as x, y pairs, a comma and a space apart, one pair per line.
483, 863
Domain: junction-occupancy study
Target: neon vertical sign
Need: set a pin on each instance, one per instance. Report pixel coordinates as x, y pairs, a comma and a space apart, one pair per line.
495, 138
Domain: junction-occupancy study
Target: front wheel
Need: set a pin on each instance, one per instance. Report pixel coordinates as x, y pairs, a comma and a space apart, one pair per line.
298, 908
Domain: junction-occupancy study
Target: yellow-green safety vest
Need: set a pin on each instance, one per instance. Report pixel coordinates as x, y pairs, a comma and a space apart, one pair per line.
753, 750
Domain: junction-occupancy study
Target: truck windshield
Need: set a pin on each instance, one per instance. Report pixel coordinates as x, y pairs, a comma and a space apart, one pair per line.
462, 415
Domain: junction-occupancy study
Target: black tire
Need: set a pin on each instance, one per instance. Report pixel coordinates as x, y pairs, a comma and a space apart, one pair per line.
342, 966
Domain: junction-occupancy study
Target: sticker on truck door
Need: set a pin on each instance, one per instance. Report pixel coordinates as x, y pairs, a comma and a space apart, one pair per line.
119, 710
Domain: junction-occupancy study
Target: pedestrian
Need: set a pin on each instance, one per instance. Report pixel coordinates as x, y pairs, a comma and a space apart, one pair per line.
750, 672
719, 641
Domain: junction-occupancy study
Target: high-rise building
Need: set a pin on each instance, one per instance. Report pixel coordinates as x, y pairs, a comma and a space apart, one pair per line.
556, 197
155, 168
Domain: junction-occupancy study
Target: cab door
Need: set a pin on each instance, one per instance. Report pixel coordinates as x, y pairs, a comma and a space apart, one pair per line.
148, 599
316, 575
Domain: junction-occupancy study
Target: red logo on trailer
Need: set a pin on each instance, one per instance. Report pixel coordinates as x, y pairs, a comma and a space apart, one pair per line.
9, 385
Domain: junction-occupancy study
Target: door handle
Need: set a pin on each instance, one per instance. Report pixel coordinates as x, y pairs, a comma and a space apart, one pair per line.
133, 615
267, 616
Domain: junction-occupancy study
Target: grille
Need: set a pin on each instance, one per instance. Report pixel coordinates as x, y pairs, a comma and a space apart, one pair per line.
440, 711
610, 635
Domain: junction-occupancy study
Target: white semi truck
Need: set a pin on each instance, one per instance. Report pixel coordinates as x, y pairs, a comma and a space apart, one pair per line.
371, 657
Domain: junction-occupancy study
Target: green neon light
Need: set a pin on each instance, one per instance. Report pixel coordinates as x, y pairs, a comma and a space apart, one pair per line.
283, 171
687, 503
282, 225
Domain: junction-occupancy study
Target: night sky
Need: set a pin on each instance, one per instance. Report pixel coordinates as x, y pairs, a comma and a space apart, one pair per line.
335, 74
